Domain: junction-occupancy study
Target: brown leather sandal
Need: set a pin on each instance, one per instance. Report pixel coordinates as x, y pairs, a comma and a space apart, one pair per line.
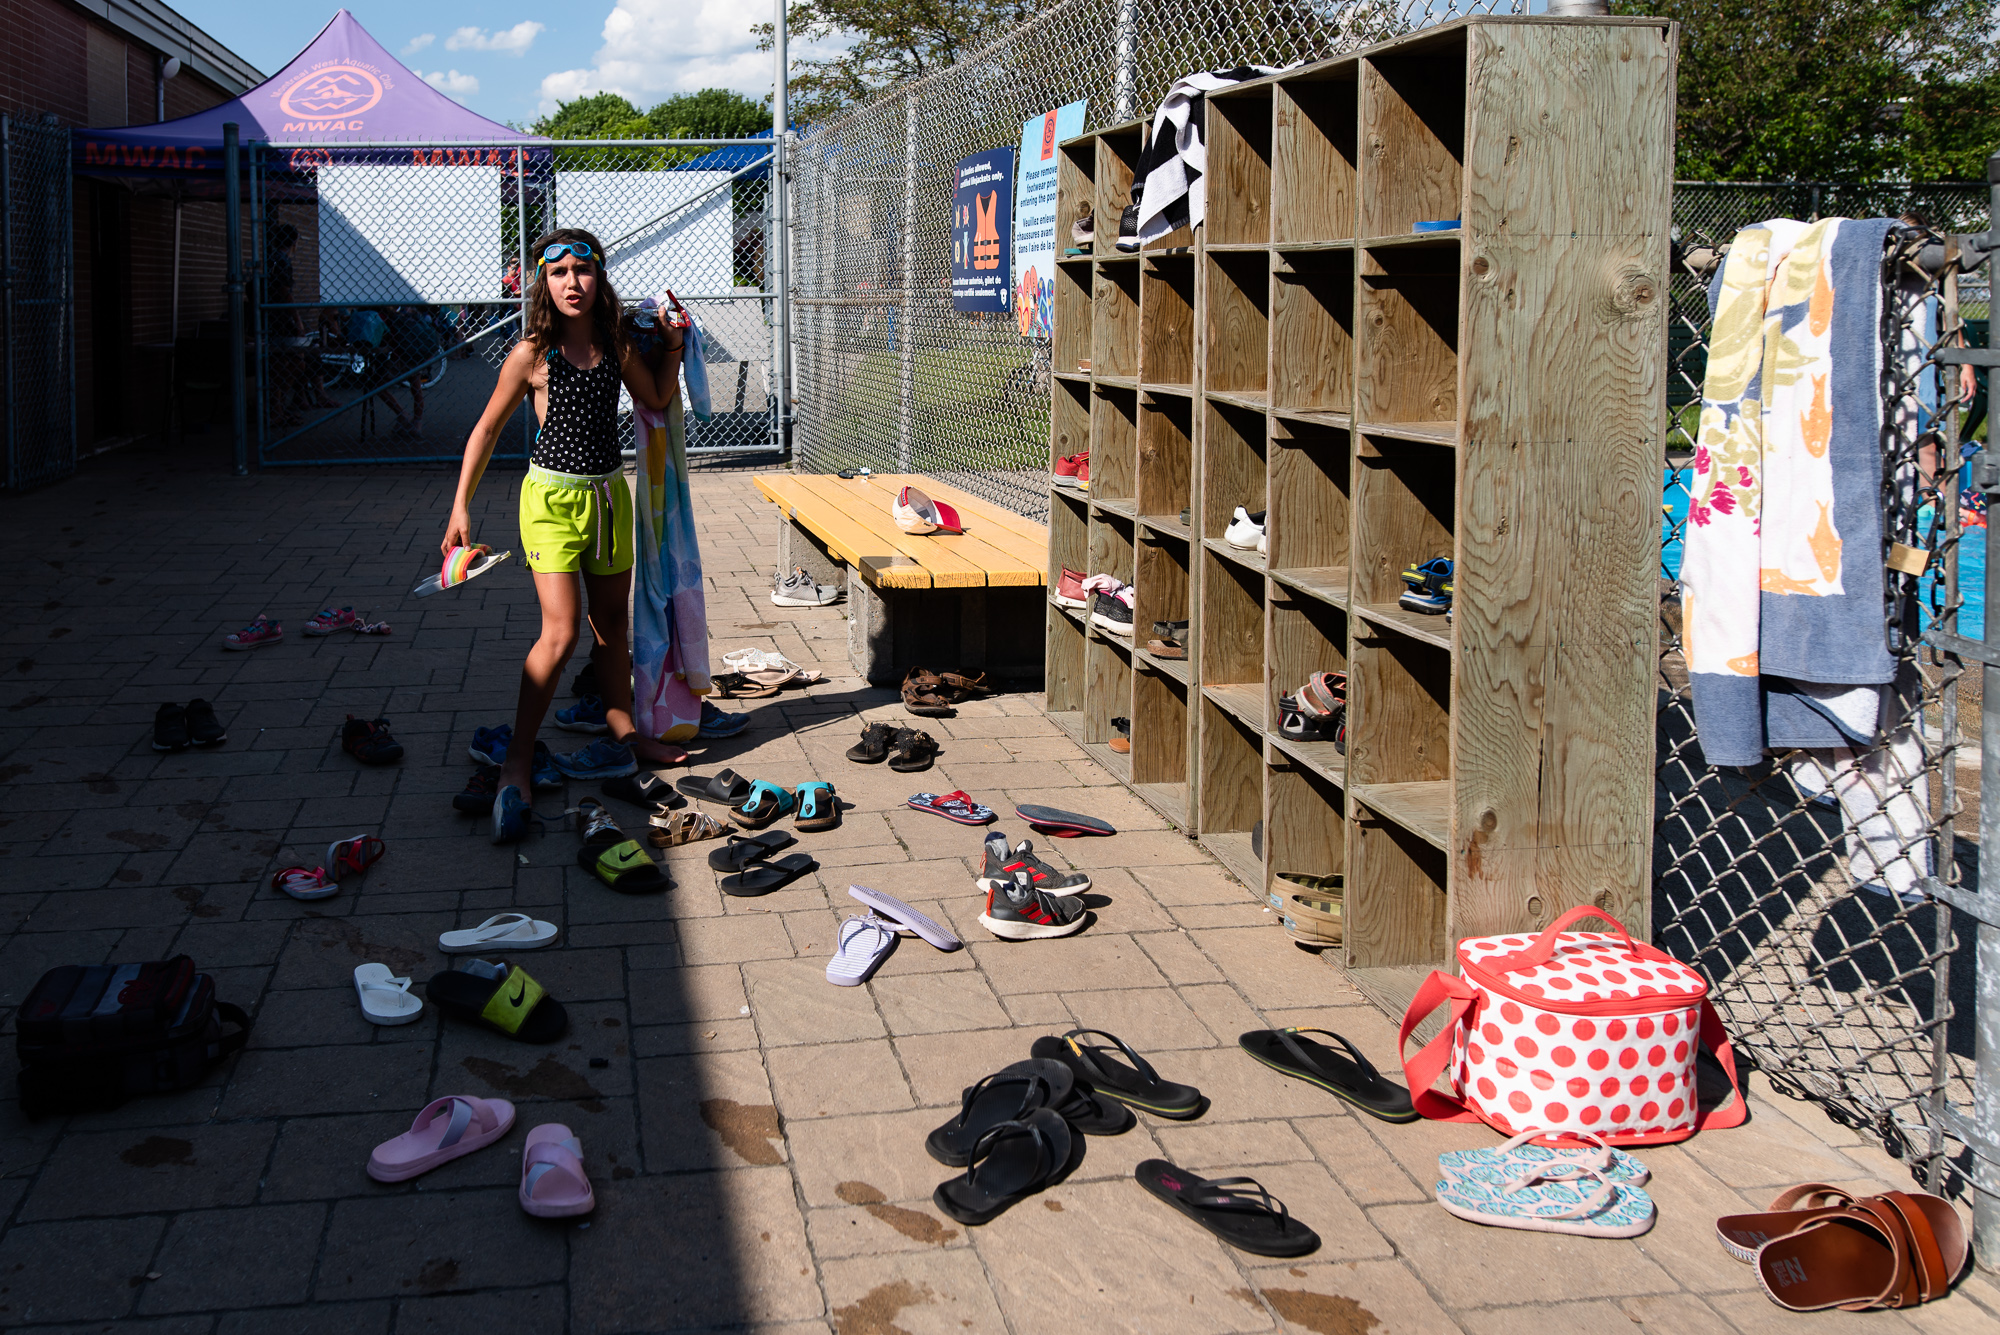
1742, 1234
1898, 1249
923, 694
965, 686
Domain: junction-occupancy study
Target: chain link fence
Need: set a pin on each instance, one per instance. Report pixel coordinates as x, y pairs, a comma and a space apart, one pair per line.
37, 326
388, 283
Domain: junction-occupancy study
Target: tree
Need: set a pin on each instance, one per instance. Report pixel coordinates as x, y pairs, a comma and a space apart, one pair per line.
889, 41
599, 116
712, 113
1840, 90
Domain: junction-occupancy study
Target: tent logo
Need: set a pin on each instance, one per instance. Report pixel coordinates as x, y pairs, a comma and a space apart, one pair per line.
332, 90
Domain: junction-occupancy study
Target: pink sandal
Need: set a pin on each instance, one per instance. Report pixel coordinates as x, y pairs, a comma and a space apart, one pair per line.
553, 1183
448, 1128
353, 855
304, 882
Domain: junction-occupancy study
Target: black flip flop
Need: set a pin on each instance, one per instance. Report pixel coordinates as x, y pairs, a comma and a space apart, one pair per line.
1007, 1095
1236, 1209
912, 751
739, 852
764, 877
1061, 824
1352, 1077
501, 997
1138, 1084
1096, 1114
644, 789
728, 787
1012, 1160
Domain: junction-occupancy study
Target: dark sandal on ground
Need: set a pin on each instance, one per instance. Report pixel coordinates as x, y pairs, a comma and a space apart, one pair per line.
728, 787
819, 809
1061, 824
762, 804
644, 789
761, 878
1351, 1077
1236, 1209
1007, 1095
369, 741
1095, 1114
739, 852
912, 751
736, 686
1137, 1084
613, 857
873, 748
961, 686
923, 694
500, 997
1012, 1160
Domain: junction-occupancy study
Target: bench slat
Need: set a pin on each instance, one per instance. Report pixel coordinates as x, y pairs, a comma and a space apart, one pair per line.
1036, 535
846, 539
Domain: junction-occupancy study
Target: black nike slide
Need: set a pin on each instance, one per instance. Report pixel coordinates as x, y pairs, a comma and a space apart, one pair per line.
1059, 823
739, 852
728, 787
501, 997
644, 789
1010, 1161
1008, 1095
621, 863
1352, 1077
1137, 1084
1236, 1209
764, 877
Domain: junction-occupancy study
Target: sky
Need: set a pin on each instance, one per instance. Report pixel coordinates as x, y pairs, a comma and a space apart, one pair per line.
511, 61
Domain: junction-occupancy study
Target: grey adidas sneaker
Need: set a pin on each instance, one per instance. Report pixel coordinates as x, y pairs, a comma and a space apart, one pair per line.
1004, 865
798, 590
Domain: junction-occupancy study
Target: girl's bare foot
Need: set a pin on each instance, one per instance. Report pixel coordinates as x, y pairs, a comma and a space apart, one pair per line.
659, 753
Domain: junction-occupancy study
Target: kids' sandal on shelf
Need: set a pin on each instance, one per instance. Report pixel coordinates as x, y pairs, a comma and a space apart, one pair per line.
728, 787
501, 997
1521, 1154
1351, 1077
448, 1128
1236, 1209
1428, 576
460, 565
819, 809
740, 852
304, 882
1012, 1160
671, 829
761, 878
1005, 1096
873, 748
864, 942
611, 857
957, 806
764, 803
1060, 824
1563, 1199
553, 1182
1136, 1084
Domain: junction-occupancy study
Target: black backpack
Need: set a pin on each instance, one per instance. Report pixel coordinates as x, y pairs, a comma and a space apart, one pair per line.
92, 1036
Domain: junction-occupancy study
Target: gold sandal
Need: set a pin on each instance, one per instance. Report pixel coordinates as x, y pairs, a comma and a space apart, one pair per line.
671, 829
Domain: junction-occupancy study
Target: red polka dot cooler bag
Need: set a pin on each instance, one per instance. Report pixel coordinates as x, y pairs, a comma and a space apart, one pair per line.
1569, 1032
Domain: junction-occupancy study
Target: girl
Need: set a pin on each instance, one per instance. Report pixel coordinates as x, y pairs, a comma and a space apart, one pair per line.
576, 509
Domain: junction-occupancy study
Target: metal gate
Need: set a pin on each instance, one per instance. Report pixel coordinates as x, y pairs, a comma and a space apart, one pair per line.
387, 283
37, 332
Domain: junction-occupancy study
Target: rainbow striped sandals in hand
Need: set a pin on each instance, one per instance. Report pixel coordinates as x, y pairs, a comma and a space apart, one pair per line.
460, 565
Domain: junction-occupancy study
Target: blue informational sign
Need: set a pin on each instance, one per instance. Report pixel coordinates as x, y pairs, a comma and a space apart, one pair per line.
1036, 244
982, 218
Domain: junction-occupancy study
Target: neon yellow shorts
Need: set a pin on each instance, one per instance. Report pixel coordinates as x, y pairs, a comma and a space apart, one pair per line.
576, 523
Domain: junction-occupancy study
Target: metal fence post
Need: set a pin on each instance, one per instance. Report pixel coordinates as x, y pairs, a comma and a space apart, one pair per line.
7, 292
777, 259
906, 376
232, 232
1125, 61
1986, 1006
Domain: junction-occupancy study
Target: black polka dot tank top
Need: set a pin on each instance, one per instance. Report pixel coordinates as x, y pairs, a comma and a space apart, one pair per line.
580, 431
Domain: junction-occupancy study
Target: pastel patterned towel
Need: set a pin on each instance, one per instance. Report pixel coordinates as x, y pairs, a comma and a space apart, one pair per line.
1782, 583
669, 613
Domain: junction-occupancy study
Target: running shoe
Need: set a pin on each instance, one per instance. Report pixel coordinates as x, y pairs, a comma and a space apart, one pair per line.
1246, 531
204, 729
170, 728
1003, 865
369, 742
546, 777
600, 760
799, 589
256, 635
480, 790
586, 715
1111, 613
489, 745
1016, 911
330, 619
1064, 474
720, 723
510, 815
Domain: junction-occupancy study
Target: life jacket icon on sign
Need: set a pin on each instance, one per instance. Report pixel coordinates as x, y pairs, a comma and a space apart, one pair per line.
986, 239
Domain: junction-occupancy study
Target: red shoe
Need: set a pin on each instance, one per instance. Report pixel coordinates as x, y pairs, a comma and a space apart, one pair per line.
1071, 467
1083, 472
1069, 590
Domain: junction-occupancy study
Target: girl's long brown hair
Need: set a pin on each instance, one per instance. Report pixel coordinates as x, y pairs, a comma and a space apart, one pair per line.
606, 329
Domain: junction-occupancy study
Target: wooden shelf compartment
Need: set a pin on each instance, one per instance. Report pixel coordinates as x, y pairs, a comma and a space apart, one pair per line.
1326, 583
1314, 153
1424, 626
1243, 702
1114, 322
1305, 636
1069, 537
1230, 795
1110, 551
1114, 442
1399, 709
1107, 686
1162, 586
1412, 109
1069, 420
1116, 161
1166, 315
1311, 496
1166, 455
1251, 560
1404, 513
1124, 509
1160, 729
1305, 822
1237, 306
1063, 670
1424, 809
1396, 909
1071, 350
1239, 165
1169, 525
1406, 324
1323, 758
1177, 668
1076, 187
1231, 638
1312, 331
1233, 465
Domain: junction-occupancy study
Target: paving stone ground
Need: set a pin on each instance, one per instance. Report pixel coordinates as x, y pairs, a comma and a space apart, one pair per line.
755, 1135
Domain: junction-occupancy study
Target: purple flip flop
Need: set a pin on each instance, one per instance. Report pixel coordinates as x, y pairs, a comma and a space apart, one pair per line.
902, 915
1061, 824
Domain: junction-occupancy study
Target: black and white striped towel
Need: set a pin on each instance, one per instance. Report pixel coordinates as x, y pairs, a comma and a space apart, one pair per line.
1168, 185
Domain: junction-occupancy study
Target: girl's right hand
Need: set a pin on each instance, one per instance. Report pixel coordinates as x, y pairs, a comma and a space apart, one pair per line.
457, 531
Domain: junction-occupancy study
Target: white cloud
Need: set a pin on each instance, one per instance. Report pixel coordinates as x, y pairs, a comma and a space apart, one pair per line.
452, 83
656, 48
513, 41
418, 43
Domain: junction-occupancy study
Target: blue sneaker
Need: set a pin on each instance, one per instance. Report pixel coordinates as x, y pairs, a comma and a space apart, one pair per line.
489, 745
547, 778
719, 723
510, 815
586, 715
599, 760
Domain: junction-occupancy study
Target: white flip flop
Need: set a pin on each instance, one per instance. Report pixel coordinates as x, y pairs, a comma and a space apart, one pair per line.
460, 565
385, 998
502, 931
864, 944
904, 918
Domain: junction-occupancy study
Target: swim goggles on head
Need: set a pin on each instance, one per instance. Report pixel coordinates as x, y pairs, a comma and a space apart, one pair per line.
580, 249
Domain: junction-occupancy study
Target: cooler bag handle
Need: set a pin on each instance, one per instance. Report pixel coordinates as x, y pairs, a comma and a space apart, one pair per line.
1716, 1039
1424, 1067
1536, 955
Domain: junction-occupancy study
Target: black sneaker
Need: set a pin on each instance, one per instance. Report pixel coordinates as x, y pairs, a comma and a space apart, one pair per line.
1004, 864
170, 729
480, 790
369, 742
586, 681
1016, 911
204, 729
1128, 229
1110, 614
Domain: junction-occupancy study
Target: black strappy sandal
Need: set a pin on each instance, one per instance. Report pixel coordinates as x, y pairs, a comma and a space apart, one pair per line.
1236, 1209
1353, 1077
1012, 1160
1138, 1084
1008, 1095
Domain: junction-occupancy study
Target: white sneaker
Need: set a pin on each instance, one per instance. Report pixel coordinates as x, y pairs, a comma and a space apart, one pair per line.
1246, 531
798, 590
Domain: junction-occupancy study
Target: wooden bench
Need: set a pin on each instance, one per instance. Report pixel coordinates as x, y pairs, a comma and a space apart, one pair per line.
944, 600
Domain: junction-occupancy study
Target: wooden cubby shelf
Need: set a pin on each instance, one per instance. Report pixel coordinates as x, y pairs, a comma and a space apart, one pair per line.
1481, 390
